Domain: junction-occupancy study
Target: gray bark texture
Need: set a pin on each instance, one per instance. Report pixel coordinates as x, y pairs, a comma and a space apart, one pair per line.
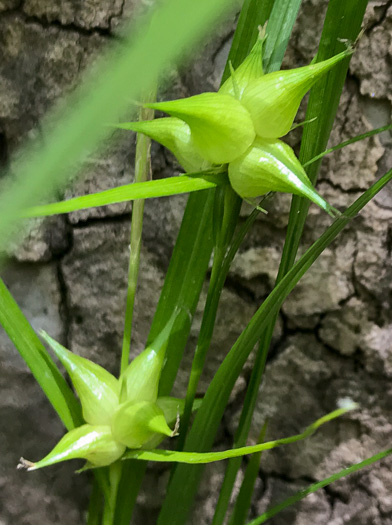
334, 336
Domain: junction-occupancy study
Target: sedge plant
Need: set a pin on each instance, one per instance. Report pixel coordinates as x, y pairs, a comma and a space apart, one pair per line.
230, 143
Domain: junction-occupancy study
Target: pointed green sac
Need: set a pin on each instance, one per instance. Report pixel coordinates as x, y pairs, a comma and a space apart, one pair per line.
140, 380
251, 69
98, 389
221, 127
240, 126
119, 413
93, 443
175, 135
134, 424
271, 165
273, 100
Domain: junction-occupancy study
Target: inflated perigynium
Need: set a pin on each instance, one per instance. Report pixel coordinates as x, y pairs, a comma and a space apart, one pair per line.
240, 126
271, 165
175, 135
119, 413
251, 69
221, 127
273, 100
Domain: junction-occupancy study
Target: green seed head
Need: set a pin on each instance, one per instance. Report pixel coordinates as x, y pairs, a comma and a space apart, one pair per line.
134, 424
175, 135
273, 100
141, 419
97, 389
250, 69
93, 443
271, 165
221, 127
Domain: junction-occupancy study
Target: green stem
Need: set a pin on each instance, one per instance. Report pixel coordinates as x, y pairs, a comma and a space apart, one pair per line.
142, 173
108, 515
244, 497
110, 503
95, 504
203, 343
226, 211
194, 458
242, 431
220, 269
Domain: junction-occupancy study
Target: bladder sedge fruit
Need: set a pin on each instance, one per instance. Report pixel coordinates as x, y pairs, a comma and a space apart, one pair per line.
119, 413
241, 125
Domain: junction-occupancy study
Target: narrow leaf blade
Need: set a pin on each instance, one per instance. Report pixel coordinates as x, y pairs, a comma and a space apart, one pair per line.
38, 360
72, 131
208, 418
314, 487
138, 190
194, 458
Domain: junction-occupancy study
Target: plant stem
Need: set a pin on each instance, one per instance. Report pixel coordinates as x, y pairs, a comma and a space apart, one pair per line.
244, 498
142, 173
203, 344
110, 503
220, 269
226, 211
95, 505
315, 138
242, 431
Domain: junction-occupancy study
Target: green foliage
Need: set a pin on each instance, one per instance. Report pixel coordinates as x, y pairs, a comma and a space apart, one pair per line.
139, 190
319, 485
343, 20
194, 458
168, 33
38, 360
228, 127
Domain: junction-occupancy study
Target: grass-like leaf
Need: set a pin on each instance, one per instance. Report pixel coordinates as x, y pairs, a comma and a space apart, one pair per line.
38, 360
73, 130
314, 487
208, 418
283, 15
343, 20
254, 13
182, 287
347, 142
244, 498
139, 190
195, 458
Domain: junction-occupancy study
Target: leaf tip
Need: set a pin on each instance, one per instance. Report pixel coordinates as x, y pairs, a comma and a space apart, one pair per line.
25, 464
346, 403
